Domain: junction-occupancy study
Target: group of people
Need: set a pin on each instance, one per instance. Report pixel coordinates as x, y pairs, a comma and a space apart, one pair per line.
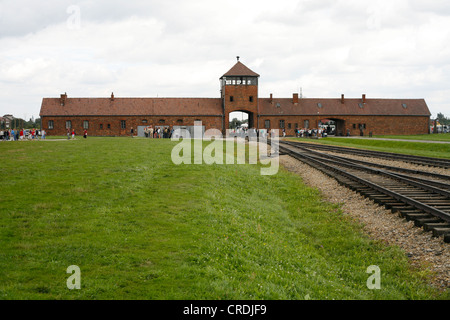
157, 133
307, 133
72, 133
20, 135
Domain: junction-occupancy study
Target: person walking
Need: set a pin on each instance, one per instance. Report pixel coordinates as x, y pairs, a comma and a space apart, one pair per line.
85, 134
132, 132
73, 133
43, 133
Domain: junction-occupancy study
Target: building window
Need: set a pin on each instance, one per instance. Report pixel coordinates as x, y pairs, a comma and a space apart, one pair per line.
180, 120
250, 99
144, 121
68, 124
162, 121
231, 98
281, 124
123, 124
85, 124
289, 125
109, 126
101, 125
50, 124
306, 124
354, 126
267, 124
296, 126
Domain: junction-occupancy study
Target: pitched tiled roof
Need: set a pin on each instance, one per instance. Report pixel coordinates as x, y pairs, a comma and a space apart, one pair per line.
239, 69
334, 107
131, 106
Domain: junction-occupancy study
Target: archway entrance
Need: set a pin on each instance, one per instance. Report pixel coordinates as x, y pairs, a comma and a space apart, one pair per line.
240, 120
333, 126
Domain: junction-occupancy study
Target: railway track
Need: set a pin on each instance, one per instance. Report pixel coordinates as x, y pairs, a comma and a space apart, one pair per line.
415, 195
425, 161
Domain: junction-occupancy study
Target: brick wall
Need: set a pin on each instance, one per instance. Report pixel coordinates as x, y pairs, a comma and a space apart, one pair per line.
114, 122
378, 125
241, 101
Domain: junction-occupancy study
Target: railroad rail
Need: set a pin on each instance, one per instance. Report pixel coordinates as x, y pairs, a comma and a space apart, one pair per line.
415, 195
425, 161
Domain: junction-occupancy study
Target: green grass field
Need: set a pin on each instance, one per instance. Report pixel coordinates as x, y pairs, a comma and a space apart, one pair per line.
140, 227
435, 150
426, 137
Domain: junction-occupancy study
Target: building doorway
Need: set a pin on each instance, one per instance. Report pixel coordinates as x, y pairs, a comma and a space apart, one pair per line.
333, 127
240, 121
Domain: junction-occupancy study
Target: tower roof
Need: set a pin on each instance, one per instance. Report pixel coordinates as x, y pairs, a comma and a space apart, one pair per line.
239, 69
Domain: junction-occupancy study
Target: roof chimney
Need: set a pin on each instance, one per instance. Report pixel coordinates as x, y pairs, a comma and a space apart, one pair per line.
342, 98
271, 98
363, 98
63, 99
112, 96
295, 98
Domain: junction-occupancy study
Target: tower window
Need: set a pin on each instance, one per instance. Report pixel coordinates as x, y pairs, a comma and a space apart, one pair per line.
231, 98
250, 99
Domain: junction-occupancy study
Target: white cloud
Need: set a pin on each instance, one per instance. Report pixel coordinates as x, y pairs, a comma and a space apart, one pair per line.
383, 48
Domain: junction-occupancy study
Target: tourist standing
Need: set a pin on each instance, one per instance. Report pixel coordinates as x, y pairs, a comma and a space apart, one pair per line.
150, 132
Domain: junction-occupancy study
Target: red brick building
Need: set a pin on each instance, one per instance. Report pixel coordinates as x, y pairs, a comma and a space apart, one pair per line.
239, 92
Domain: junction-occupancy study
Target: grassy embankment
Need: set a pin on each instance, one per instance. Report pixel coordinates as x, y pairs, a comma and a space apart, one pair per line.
436, 150
140, 227
425, 137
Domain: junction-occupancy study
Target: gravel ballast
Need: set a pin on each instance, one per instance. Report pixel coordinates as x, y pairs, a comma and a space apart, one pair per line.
423, 250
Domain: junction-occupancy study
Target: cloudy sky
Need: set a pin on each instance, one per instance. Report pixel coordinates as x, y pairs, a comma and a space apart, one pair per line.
174, 48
